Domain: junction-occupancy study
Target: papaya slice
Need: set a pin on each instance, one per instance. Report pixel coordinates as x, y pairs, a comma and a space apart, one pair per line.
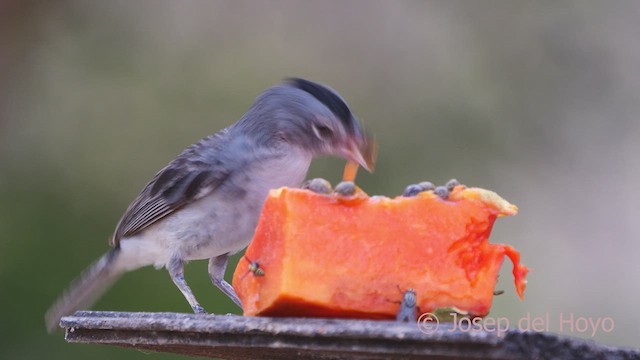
335, 256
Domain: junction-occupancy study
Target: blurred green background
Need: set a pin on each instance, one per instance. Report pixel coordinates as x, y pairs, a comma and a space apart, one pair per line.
539, 101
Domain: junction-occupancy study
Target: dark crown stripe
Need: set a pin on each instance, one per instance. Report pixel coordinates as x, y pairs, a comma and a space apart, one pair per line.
327, 97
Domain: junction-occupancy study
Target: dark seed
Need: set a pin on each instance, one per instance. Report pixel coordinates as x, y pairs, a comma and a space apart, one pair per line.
318, 185
452, 184
427, 186
412, 190
498, 292
346, 188
442, 192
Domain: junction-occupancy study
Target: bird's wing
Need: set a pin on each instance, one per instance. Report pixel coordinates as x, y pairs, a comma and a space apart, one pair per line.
194, 174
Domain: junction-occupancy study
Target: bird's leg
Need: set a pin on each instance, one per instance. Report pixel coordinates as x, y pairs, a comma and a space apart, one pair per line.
176, 271
217, 267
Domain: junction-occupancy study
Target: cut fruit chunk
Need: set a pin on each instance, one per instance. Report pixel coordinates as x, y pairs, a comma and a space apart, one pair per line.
335, 256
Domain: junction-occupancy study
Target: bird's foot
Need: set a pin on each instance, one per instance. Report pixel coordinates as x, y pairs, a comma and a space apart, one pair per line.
199, 309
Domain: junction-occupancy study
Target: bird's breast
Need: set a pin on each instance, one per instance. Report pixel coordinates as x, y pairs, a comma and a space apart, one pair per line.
223, 221
228, 217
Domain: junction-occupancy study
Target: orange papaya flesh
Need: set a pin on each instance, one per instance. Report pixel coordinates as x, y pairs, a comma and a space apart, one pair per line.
334, 256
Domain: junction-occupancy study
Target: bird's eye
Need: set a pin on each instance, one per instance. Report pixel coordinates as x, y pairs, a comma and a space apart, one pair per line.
322, 132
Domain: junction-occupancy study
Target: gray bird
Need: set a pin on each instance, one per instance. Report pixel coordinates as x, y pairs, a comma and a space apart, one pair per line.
205, 204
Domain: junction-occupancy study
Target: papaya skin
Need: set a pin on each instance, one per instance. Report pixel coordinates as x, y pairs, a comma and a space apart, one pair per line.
346, 257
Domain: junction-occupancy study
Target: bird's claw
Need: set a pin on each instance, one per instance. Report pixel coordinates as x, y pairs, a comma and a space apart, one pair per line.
199, 309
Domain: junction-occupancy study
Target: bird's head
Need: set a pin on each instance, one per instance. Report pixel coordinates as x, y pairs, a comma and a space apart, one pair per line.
313, 117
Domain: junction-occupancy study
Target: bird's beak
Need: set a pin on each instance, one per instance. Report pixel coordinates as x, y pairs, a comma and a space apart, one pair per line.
363, 151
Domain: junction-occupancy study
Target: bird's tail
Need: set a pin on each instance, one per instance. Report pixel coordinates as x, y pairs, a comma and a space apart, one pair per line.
86, 289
